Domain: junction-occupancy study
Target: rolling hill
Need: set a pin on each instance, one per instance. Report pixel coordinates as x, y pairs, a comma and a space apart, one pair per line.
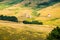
45, 11
21, 12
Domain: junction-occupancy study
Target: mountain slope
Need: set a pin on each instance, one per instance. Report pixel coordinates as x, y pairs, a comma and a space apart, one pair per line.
20, 12
20, 31
53, 11
36, 31
39, 4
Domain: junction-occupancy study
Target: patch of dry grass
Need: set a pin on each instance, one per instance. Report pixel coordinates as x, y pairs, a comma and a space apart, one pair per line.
16, 31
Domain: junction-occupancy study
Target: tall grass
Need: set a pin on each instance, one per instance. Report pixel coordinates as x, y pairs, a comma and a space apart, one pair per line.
10, 33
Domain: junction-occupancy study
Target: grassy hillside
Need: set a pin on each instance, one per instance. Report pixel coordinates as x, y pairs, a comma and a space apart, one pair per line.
14, 31
32, 11
39, 4
54, 12
21, 12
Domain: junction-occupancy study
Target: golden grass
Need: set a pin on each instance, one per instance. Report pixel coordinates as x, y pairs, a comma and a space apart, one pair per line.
38, 31
54, 11
18, 11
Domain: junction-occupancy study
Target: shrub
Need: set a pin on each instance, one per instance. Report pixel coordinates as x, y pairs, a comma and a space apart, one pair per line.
55, 34
9, 18
33, 22
34, 13
27, 4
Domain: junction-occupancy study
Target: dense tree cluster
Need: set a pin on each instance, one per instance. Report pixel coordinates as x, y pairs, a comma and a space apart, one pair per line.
9, 18
33, 22
1, 0
55, 34
55, 0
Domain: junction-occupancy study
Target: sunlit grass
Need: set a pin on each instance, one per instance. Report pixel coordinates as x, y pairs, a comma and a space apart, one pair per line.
10, 33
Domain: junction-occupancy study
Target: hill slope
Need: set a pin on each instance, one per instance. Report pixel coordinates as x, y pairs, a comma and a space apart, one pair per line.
28, 3
24, 31
20, 12
20, 31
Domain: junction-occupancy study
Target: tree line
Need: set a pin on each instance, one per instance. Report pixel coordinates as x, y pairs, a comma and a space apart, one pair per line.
9, 18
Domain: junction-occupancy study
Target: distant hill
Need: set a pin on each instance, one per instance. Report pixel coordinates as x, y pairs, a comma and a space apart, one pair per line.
29, 3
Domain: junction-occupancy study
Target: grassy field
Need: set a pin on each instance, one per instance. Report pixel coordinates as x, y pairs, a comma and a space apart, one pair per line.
20, 13
20, 31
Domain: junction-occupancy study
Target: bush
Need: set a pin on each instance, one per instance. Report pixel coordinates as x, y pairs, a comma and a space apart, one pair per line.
9, 18
33, 22
34, 13
27, 4
55, 34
